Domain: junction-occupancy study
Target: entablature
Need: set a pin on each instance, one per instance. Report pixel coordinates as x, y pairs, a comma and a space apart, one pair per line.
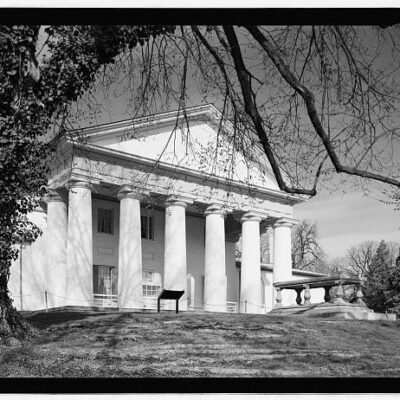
108, 170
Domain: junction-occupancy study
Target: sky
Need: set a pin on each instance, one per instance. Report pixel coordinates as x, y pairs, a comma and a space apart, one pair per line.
347, 219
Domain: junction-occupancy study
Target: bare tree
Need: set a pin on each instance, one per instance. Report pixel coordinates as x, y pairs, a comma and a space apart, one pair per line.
307, 254
265, 247
337, 265
360, 258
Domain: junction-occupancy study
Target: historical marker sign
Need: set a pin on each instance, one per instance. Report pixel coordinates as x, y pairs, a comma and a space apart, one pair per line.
170, 295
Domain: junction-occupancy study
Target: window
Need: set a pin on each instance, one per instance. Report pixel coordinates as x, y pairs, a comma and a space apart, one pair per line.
151, 283
105, 280
147, 226
151, 290
104, 221
148, 276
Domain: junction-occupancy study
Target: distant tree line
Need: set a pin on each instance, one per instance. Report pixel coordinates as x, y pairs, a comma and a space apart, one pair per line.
377, 262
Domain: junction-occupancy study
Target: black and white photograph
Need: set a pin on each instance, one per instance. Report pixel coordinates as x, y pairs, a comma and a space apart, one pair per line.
187, 201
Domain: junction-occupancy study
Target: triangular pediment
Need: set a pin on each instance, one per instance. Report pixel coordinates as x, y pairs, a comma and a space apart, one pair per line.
196, 142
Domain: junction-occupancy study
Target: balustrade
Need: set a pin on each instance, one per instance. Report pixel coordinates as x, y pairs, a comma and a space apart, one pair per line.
326, 283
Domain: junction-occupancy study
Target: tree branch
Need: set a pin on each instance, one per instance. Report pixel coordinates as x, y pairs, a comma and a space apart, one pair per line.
309, 100
251, 109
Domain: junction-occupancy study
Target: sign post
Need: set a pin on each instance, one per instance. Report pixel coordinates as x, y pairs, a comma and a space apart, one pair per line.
170, 295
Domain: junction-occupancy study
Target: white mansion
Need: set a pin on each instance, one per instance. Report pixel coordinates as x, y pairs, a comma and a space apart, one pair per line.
156, 203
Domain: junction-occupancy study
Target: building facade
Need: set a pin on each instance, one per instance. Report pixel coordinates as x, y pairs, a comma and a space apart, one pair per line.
159, 202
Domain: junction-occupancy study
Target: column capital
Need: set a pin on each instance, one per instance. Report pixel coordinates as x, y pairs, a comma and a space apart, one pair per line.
251, 215
53, 195
285, 222
130, 192
76, 183
215, 208
178, 200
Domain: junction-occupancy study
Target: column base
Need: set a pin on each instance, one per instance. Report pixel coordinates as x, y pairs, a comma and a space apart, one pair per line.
216, 309
79, 303
55, 302
252, 309
137, 305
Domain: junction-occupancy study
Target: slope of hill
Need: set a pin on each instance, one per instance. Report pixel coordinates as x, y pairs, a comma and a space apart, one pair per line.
202, 345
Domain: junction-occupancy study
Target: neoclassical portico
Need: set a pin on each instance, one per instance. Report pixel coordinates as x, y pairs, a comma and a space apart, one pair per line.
125, 219
73, 248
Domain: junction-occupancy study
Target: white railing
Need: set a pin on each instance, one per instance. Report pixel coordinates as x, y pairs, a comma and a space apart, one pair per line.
150, 303
231, 307
105, 300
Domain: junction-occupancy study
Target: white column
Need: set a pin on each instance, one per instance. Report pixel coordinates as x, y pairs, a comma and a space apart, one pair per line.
79, 272
130, 291
175, 247
271, 293
250, 282
56, 238
191, 286
214, 262
271, 244
282, 250
282, 269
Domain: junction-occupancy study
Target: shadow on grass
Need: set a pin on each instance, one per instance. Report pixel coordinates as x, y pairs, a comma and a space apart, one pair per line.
44, 320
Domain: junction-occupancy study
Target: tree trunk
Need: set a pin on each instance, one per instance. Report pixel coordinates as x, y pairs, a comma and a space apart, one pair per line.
12, 324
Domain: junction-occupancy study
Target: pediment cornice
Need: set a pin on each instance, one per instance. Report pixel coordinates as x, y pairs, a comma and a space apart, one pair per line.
173, 170
209, 113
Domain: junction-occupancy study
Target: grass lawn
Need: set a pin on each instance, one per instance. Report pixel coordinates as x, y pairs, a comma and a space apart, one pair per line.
202, 345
